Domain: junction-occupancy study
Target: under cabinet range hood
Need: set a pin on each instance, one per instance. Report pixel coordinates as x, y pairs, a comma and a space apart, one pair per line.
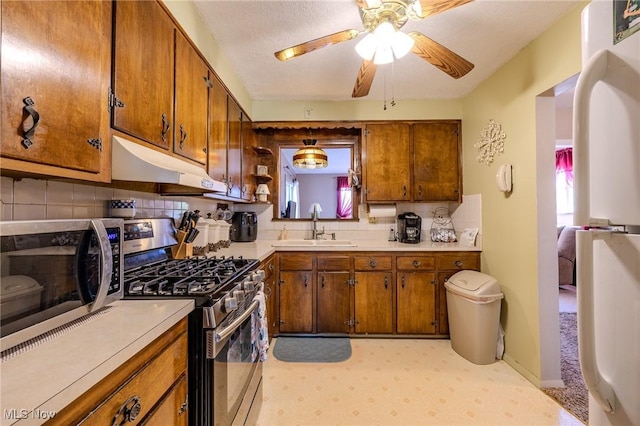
137, 163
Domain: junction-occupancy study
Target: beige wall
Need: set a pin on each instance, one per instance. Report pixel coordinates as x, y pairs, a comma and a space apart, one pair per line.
510, 223
509, 97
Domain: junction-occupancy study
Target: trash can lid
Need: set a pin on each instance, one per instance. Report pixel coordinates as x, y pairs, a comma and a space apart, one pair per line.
474, 283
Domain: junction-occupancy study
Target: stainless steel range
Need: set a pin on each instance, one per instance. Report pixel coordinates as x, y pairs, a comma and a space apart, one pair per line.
225, 372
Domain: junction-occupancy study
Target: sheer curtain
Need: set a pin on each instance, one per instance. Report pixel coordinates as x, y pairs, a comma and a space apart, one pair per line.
564, 180
293, 194
345, 204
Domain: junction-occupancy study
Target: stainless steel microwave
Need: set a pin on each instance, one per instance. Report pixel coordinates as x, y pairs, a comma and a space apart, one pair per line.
54, 272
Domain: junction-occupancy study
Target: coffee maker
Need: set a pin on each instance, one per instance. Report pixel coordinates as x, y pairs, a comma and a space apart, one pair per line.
409, 225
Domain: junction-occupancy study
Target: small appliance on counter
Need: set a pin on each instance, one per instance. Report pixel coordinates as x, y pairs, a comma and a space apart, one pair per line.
409, 226
244, 227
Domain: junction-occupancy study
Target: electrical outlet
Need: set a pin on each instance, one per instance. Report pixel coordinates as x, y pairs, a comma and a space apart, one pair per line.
307, 112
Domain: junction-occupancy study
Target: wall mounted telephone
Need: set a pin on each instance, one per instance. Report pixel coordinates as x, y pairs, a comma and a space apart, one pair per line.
503, 178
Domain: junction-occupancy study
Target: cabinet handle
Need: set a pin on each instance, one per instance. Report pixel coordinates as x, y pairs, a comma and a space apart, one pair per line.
267, 291
416, 263
184, 405
323, 281
271, 267
183, 136
458, 263
373, 264
402, 281
404, 191
34, 118
165, 127
420, 191
306, 280
128, 411
386, 282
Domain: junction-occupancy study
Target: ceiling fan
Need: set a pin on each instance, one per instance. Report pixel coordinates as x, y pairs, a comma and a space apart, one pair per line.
382, 20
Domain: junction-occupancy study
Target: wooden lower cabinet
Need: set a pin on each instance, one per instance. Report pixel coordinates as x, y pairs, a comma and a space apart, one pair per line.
296, 301
398, 293
416, 302
271, 294
373, 302
333, 302
153, 382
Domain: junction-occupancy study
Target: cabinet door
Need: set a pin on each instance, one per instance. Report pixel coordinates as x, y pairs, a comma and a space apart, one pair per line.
234, 159
333, 302
172, 409
416, 302
57, 55
192, 87
143, 71
271, 295
249, 159
296, 301
436, 159
443, 313
387, 161
217, 150
373, 302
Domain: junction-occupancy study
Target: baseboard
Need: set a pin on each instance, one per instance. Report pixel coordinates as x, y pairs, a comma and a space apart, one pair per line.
520, 369
552, 384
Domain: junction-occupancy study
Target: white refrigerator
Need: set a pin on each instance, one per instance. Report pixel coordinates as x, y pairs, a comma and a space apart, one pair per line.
606, 156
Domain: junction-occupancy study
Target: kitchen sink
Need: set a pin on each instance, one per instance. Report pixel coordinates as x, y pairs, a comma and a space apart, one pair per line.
313, 243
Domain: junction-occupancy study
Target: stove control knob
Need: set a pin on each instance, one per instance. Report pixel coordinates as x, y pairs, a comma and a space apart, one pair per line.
261, 275
230, 304
238, 295
248, 285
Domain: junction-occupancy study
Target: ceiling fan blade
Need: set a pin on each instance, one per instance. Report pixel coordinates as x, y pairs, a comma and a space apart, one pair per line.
310, 46
439, 56
433, 7
365, 78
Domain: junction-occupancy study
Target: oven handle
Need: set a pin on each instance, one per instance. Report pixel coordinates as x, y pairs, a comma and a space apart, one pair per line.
228, 331
106, 258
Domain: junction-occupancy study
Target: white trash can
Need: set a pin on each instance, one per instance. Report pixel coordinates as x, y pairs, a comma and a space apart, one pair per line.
473, 305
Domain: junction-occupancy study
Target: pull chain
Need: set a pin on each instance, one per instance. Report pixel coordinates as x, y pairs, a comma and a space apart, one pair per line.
393, 96
384, 78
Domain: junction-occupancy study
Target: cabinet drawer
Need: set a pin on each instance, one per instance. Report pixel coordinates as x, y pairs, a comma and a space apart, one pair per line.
148, 384
420, 263
455, 262
333, 263
269, 267
296, 262
372, 263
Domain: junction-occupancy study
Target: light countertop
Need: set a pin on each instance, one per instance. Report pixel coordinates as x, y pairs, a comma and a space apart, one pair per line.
261, 249
50, 376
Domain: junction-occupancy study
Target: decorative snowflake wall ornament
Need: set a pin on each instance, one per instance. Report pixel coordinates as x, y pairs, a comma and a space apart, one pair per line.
491, 142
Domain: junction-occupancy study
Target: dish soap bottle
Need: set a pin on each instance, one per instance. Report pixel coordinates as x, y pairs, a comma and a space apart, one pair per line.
283, 233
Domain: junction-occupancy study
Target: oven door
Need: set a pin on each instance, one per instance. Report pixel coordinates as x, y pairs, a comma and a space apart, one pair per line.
236, 366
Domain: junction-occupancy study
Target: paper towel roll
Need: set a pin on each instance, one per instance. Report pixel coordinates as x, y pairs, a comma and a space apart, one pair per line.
382, 210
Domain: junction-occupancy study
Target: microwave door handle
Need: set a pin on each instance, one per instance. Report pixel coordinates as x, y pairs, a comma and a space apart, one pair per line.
106, 260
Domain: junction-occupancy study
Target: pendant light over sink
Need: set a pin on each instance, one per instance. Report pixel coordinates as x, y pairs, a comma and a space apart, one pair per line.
310, 156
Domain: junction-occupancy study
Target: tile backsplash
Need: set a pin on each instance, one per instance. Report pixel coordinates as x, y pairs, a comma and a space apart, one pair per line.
36, 199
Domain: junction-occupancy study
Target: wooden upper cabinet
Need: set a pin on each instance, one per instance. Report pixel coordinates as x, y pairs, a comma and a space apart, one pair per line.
218, 130
143, 73
249, 159
192, 88
234, 159
387, 159
55, 67
436, 158
413, 162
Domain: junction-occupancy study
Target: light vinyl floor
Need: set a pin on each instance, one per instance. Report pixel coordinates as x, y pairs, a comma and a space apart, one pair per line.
403, 382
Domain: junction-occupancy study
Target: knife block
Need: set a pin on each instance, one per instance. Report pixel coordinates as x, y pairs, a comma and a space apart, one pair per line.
182, 250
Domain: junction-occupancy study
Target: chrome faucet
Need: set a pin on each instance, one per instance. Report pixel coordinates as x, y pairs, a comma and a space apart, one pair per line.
314, 232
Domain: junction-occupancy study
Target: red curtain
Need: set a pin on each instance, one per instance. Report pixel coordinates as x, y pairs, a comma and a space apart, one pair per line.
564, 163
345, 205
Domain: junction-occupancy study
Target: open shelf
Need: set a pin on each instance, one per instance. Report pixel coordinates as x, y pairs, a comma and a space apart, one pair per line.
264, 178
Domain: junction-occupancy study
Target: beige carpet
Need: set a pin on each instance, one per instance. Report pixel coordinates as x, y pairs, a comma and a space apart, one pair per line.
574, 396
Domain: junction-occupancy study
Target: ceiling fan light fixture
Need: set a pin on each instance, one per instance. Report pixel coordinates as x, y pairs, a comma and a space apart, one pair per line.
384, 55
401, 44
310, 156
366, 47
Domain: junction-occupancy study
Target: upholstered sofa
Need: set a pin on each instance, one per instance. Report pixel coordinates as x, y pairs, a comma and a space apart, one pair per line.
567, 255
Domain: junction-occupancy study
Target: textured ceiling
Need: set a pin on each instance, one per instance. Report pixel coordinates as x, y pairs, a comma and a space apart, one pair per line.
486, 32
